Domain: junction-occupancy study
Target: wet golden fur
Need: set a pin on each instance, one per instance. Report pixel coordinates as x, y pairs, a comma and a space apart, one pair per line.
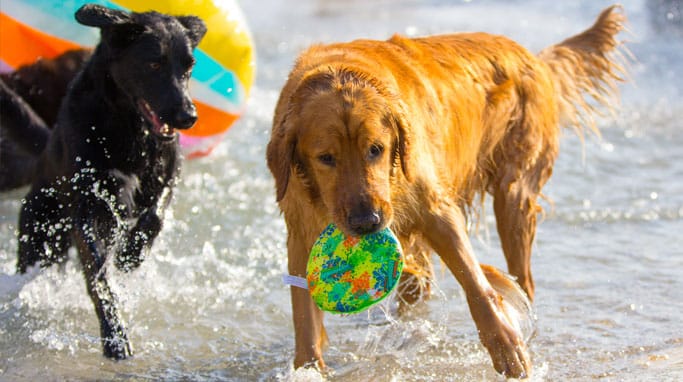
410, 132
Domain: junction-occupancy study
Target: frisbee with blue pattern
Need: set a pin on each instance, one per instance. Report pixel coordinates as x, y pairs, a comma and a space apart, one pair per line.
350, 274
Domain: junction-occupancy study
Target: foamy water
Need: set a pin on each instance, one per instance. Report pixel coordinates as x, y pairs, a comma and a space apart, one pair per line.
208, 303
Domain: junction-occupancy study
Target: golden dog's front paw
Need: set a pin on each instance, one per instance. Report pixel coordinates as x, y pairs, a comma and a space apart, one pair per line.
502, 338
308, 361
509, 354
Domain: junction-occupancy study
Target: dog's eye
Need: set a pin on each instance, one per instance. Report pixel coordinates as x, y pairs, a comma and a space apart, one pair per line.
154, 65
375, 151
326, 159
188, 67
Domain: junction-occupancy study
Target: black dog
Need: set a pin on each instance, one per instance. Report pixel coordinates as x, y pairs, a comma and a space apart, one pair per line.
107, 168
41, 85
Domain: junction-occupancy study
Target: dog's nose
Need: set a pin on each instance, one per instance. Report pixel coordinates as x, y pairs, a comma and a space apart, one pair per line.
186, 118
365, 223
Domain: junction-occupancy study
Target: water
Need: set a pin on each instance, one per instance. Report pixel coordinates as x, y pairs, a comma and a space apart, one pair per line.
209, 305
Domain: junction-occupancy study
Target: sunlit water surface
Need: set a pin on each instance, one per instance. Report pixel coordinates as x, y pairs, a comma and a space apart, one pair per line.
208, 304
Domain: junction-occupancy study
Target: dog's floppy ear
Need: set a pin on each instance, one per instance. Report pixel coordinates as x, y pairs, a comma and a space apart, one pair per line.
118, 27
403, 138
280, 156
94, 15
196, 29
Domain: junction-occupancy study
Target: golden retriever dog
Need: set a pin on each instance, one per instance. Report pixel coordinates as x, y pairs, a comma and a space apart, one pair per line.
412, 133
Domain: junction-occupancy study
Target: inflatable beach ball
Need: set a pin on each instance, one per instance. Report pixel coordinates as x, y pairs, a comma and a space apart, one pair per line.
222, 76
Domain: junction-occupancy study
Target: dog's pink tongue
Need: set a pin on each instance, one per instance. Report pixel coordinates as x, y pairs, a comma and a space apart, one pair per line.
158, 126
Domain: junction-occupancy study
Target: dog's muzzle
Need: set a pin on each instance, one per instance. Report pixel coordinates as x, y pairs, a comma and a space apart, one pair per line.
183, 120
365, 222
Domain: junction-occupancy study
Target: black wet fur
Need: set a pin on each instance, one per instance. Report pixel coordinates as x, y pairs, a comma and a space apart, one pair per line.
105, 171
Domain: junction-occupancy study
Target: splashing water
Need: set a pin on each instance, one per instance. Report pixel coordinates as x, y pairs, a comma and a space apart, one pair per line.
208, 303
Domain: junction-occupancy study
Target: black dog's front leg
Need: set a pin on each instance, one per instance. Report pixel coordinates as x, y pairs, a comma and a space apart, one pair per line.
112, 330
147, 228
139, 239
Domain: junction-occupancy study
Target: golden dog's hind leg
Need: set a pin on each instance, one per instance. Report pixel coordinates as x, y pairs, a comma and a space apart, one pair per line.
418, 272
516, 210
515, 204
447, 234
523, 164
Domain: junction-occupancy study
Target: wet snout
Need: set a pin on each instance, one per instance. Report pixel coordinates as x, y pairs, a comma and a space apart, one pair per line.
364, 219
178, 110
362, 205
186, 116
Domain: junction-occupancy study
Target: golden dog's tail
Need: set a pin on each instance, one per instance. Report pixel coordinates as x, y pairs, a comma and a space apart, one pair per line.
586, 69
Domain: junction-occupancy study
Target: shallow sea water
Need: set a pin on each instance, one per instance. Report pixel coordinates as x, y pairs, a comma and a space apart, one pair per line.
208, 303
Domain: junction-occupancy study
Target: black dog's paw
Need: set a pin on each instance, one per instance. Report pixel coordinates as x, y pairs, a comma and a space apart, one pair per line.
126, 262
117, 348
150, 223
140, 238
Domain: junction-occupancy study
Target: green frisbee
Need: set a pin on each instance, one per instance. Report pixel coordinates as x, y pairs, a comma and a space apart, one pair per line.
350, 274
